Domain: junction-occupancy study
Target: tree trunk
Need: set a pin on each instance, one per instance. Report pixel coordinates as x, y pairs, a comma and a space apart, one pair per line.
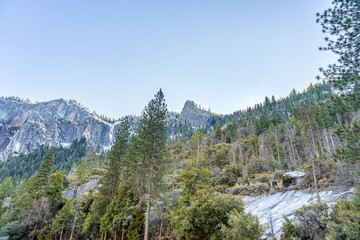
123, 232
240, 155
73, 226
292, 149
61, 233
312, 159
327, 142
161, 226
141, 187
332, 142
146, 237
277, 148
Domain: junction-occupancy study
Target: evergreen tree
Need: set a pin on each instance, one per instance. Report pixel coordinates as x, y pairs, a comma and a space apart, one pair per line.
242, 226
44, 171
203, 217
115, 167
342, 24
309, 125
6, 188
345, 220
152, 138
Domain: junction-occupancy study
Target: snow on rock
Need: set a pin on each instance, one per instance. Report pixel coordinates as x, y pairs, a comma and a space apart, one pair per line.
295, 174
286, 203
24, 126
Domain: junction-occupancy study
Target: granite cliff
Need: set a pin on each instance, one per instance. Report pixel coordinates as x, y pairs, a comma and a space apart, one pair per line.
25, 126
193, 115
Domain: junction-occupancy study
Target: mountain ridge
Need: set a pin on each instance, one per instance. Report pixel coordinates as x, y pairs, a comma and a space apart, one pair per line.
25, 126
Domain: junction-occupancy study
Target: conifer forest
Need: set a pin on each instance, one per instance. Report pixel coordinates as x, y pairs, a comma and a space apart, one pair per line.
173, 181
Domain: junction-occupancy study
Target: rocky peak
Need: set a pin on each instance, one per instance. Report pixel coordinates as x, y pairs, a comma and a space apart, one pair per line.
25, 126
193, 115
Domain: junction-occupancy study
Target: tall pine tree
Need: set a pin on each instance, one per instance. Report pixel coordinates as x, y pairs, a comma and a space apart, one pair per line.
152, 140
341, 23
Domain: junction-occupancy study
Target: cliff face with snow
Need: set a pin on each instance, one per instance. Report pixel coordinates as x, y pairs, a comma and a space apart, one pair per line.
25, 126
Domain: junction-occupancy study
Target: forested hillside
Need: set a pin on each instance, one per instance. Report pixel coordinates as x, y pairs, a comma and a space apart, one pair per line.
174, 181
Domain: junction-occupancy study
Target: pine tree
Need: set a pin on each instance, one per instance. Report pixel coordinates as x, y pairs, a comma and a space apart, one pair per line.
6, 188
309, 126
152, 138
42, 176
342, 25
115, 166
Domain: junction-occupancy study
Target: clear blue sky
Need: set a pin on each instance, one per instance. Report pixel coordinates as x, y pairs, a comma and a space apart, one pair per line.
113, 56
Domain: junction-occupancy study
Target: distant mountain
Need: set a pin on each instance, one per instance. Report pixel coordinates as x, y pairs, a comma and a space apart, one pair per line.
193, 115
26, 126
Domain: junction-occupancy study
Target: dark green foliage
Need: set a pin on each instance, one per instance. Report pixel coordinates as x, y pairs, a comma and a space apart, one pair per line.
6, 189
250, 190
229, 175
290, 231
242, 226
351, 136
24, 166
42, 176
310, 222
341, 24
115, 169
69, 221
122, 214
15, 231
345, 220
56, 185
203, 217
194, 178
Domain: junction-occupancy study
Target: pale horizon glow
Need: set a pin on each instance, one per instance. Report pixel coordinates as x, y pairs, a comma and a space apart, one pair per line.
113, 56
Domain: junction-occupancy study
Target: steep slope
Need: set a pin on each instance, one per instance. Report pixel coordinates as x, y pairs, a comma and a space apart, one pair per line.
26, 126
286, 203
193, 115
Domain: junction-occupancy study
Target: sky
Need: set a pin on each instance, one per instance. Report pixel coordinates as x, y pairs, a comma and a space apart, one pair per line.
113, 56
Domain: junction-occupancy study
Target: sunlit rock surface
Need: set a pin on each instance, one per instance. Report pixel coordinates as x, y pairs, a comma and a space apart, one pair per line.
25, 126
286, 203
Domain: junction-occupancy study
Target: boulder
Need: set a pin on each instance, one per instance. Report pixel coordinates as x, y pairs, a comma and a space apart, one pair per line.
77, 192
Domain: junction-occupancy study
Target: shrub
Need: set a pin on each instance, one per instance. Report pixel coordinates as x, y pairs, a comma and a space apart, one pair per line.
242, 226
310, 222
250, 190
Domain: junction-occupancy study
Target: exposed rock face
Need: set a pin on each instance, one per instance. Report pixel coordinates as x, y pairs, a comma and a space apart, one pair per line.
26, 126
286, 203
193, 115
77, 192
